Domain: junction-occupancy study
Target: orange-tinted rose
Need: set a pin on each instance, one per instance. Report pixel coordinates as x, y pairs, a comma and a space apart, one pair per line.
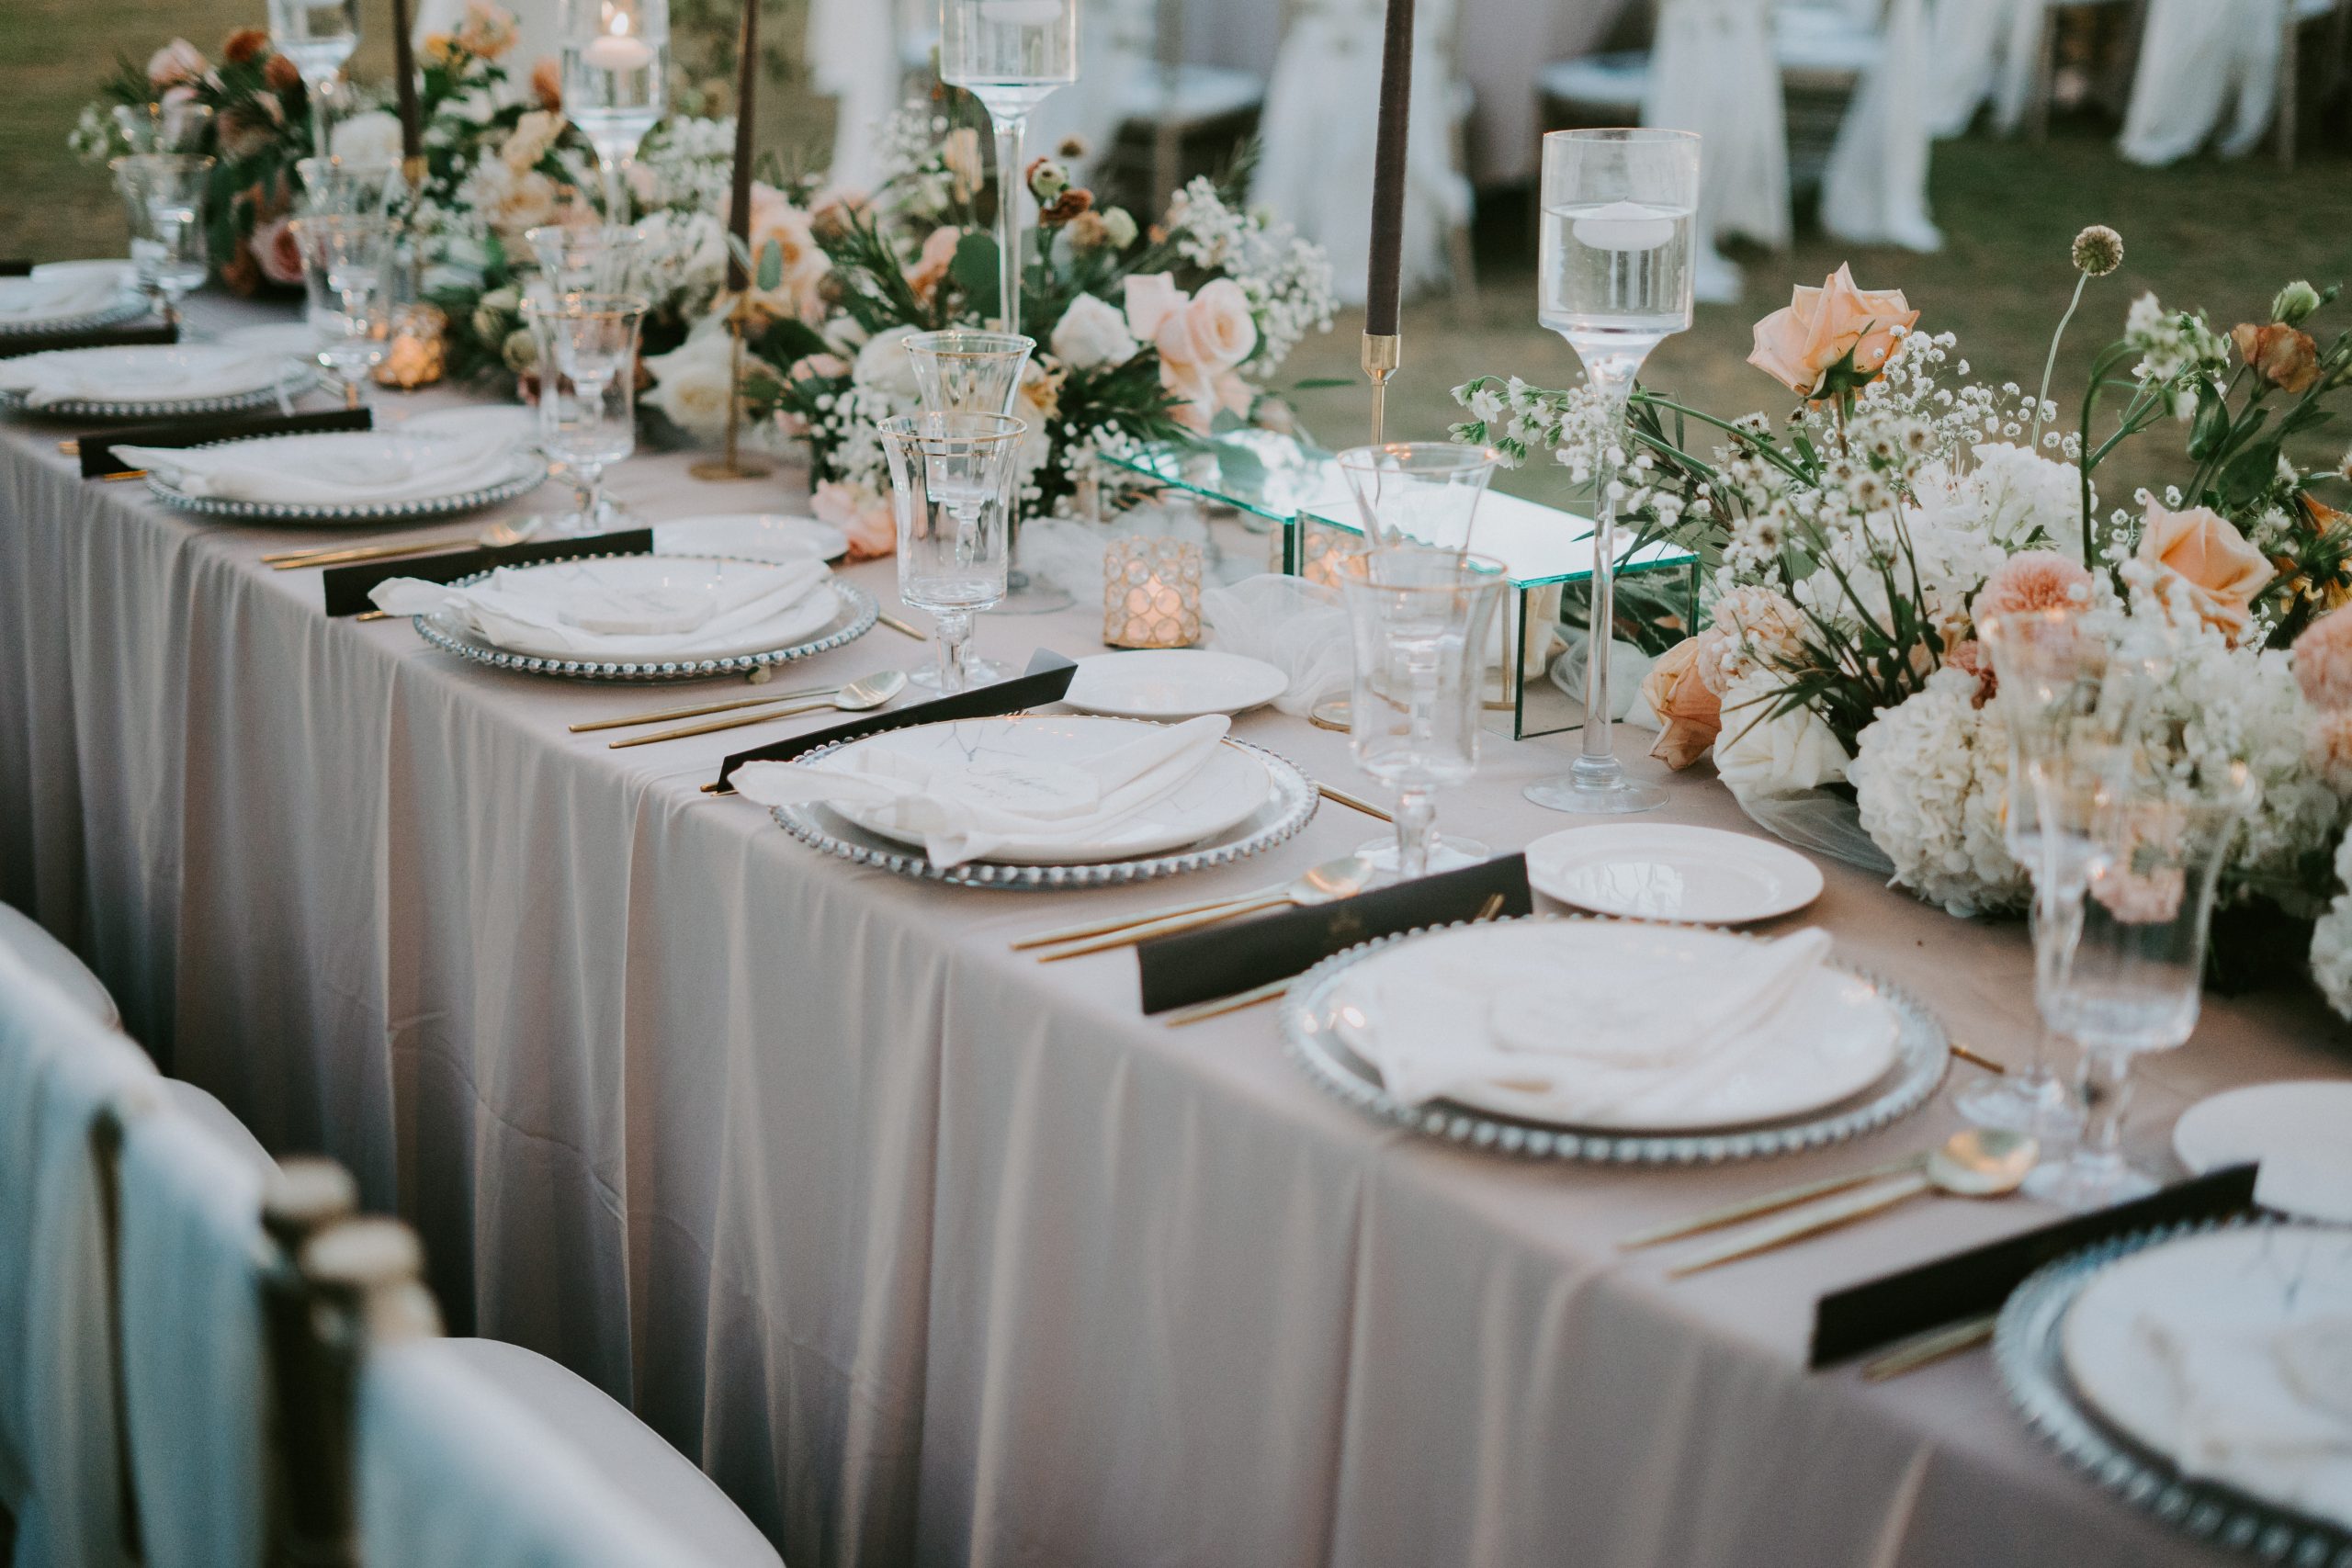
2200, 557
1691, 715
282, 74
1801, 345
2285, 356
245, 44
547, 85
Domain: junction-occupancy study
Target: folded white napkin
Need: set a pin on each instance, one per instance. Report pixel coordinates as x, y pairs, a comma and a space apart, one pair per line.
975, 803
24, 300
144, 373
1643, 1048
2259, 1408
585, 609
337, 469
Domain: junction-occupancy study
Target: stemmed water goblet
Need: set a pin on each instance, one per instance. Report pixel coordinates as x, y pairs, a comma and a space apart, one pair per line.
163, 125
1012, 55
347, 268
616, 68
1614, 279
163, 197
587, 345
318, 36
951, 482
578, 258
959, 371
1418, 618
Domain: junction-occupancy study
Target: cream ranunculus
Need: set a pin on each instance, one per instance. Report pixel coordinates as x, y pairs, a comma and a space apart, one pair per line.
884, 364
371, 140
693, 383
1091, 335
2200, 557
1761, 754
1800, 344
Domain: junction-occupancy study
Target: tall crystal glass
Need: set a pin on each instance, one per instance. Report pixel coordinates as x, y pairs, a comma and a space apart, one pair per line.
1418, 492
347, 267
164, 196
958, 371
951, 479
1613, 278
318, 36
1012, 55
2134, 978
578, 258
587, 345
1418, 618
616, 75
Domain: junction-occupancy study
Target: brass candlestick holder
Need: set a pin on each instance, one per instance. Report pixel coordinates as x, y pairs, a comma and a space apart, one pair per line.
1382, 354
730, 464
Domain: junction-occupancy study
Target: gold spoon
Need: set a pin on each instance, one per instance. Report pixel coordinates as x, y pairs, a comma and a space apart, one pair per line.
1982, 1162
498, 535
1326, 883
858, 697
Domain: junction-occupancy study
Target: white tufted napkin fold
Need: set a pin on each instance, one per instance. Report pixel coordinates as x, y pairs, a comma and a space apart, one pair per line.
619, 609
24, 300
140, 373
2265, 1408
338, 468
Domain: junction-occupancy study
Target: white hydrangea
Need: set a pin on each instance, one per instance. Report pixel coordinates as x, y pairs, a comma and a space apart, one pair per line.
1930, 778
2332, 939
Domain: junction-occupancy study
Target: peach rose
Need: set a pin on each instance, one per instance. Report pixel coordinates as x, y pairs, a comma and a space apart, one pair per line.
2283, 355
774, 219
245, 44
2199, 555
1201, 341
1691, 715
822, 366
282, 74
1804, 345
868, 519
2324, 661
547, 85
275, 251
1150, 296
176, 62
488, 32
931, 267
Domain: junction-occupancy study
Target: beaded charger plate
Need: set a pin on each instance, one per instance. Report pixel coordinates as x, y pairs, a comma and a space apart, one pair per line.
298, 379
128, 308
529, 471
1922, 1054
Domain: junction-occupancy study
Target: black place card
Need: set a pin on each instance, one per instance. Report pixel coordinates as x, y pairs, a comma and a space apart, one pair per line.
1970, 1284
15, 266
1046, 681
17, 344
98, 461
1221, 960
347, 587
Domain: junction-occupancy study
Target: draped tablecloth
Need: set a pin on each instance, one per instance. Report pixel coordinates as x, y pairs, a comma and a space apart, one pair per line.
931, 1253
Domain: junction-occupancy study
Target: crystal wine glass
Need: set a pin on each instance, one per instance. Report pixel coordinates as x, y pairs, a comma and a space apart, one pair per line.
161, 125
576, 258
318, 36
951, 479
162, 196
1418, 618
1613, 278
2135, 975
615, 70
1012, 55
587, 347
958, 371
332, 187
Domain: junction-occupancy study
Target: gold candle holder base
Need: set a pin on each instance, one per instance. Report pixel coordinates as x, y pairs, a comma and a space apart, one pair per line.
1382, 354
729, 466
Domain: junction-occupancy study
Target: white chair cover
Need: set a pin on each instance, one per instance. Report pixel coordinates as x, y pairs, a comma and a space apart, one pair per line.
56, 963
1970, 45
1322, 113
2195, 59
1712, 71
194, 1373
1874, 191
853, 51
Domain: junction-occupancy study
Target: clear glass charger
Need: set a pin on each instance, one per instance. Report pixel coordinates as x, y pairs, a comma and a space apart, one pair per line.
1289, 804
2029, 1355
1923, 1053
530, 471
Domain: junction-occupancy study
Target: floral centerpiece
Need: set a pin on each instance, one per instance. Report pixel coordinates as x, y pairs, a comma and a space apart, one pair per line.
1142, 336
1858, 541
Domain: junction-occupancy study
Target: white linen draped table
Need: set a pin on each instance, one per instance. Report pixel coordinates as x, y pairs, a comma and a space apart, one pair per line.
931, 1253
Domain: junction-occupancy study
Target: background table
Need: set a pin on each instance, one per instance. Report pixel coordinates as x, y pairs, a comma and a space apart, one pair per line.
930, 1252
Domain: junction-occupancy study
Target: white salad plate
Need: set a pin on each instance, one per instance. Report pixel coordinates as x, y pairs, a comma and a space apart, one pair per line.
1661, 871
2301, 1134
1172, 683
751, 536
1228, 789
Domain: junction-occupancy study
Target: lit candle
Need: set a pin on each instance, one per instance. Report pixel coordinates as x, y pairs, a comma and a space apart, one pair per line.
739, 208
1151, 593
404, 75
617, 51
1385, 279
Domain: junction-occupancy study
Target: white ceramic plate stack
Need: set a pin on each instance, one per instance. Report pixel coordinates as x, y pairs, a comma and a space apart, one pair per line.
430, 467
148, 380
1172, 683
2206, 1377
1662, 871
1243, 799
70, 296
592, 618
1583, 1039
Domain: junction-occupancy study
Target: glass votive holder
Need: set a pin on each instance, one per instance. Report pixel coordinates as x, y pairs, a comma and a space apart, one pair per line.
1151, 593
413, 358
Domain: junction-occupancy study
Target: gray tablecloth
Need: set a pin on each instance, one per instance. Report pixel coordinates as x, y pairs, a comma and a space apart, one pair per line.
932, 1253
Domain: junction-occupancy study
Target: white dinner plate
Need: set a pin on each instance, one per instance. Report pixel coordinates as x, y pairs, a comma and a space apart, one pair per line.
674, 577
1834, 1037
2301, 1134
133, 380
1230, 787
1660, 871
751, 536
2266, 1313
1172, 683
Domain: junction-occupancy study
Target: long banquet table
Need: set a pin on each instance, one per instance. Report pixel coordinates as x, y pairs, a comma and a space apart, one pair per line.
932, 1253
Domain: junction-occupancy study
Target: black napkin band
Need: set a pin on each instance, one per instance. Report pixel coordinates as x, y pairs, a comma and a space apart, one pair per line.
15, 266
1219, 961
347, 587
98, 461
1970, 1284
17, 344
1046, 681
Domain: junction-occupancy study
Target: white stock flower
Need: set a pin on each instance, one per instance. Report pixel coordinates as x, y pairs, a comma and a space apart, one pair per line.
1093, 333
1761, 753
1929, 776
369, 140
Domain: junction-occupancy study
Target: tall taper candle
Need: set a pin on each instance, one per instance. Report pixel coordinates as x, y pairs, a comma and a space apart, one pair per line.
738, 204
1385, 280
404, 80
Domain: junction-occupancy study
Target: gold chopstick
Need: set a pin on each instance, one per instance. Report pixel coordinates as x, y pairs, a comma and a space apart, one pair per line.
70, 448
1769, 1202
1354, 803
1928, 1348
373, 615
1150, 916
698, 710
901, 627
291, 560
1179, 1017
715, 725
1990, 1066
1830, 1213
